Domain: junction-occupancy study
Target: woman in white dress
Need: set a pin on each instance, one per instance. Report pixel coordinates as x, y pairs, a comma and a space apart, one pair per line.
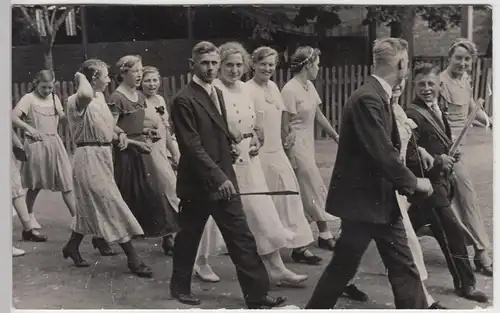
405, 126
303, 110
278, 171
262, 217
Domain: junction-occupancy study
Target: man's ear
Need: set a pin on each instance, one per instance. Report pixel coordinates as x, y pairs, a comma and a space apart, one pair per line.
191, 63
400, 64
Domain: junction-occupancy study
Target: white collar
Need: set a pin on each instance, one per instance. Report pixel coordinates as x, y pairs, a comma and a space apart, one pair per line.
430, 104
385, 85
207, 87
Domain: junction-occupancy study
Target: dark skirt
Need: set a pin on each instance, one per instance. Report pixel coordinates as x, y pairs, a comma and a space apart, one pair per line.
142, 190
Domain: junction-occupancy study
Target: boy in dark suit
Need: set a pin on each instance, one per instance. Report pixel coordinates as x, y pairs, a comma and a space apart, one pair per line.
206, 185
434, 135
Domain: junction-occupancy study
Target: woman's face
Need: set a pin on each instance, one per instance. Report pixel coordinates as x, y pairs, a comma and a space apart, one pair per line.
151, 84
232, 68
133, 77
460, 60
102, 81
266, 67
313, 69
45, 88
398, 90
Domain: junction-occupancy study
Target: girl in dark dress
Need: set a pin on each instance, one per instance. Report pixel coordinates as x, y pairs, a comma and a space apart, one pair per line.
135, 172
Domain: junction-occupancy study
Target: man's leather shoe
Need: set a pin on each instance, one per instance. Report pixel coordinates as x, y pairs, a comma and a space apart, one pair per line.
186, 298
472, 294
437, 306
265, 302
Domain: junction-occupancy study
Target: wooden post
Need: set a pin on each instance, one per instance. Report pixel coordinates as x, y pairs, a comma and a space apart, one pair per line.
83, 21
189, 20
467, 22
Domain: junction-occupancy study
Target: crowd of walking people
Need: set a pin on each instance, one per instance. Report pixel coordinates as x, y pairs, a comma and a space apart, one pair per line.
181, 172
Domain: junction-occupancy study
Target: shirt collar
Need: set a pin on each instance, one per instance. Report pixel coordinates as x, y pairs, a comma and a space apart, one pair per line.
385, 85
207, 87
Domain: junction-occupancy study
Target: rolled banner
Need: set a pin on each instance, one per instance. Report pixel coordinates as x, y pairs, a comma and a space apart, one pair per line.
472, 117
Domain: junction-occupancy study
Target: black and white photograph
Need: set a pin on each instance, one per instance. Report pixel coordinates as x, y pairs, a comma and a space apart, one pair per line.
244, 156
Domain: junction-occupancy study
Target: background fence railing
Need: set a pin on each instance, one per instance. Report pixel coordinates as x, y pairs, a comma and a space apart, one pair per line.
334, 85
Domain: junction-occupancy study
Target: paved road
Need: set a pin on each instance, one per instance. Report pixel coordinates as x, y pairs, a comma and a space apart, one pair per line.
43, 280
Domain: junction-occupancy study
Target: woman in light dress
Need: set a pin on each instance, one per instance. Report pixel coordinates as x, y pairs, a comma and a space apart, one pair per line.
156, 117
137, 177
100, 209
262, 217
19, 195
405, 126
279, 175
302, 106
38, 113
457, 92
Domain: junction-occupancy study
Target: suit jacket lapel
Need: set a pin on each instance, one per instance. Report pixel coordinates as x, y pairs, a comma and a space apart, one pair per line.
432, 121
202, 98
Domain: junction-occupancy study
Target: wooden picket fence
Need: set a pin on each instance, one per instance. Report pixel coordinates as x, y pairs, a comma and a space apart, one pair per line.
334, 85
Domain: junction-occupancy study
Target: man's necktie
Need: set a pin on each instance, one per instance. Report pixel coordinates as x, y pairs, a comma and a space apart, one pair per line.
215, 99
435, 108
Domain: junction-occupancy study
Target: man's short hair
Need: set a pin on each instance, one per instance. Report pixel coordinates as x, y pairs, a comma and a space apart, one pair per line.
426, 68
203, 47
386, 51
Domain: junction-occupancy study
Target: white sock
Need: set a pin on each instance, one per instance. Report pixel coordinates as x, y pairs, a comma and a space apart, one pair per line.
325, 235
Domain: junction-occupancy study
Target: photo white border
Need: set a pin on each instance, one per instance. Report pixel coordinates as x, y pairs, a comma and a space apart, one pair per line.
5, 124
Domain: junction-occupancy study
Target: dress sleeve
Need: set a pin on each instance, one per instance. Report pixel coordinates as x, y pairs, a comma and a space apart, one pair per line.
58, 105
289, 99
314, 94
24, 105
115, 104
165, 117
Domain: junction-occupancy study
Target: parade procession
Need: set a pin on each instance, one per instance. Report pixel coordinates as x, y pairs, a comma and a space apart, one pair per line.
251, 185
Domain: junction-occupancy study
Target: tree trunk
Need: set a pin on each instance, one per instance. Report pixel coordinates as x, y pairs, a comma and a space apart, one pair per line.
47, 54
396, 29
407, 24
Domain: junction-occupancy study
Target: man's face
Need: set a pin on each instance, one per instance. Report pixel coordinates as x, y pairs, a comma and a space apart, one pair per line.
427, 87
206, 66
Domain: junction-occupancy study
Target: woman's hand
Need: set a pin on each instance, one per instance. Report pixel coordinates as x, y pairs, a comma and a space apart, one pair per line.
254, 146
34, 134
289, 140
122, 141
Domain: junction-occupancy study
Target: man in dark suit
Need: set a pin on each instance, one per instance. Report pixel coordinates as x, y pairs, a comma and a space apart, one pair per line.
434, 135
206, 185
362, 193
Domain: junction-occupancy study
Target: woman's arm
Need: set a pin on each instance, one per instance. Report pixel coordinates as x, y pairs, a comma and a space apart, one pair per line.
171, 146
325, 125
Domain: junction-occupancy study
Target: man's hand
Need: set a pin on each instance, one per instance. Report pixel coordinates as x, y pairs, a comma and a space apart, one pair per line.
235, 153
226, 190
424, 186
427, 159
447, 162
457, 156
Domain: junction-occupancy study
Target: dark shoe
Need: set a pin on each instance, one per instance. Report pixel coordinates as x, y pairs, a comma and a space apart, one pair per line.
141, 270
186, 298
103, 247
326, 244
300, 257
472, 294
74, 254
355, 294
168, 245
425, 231
437, 306
265, 302
33, 235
